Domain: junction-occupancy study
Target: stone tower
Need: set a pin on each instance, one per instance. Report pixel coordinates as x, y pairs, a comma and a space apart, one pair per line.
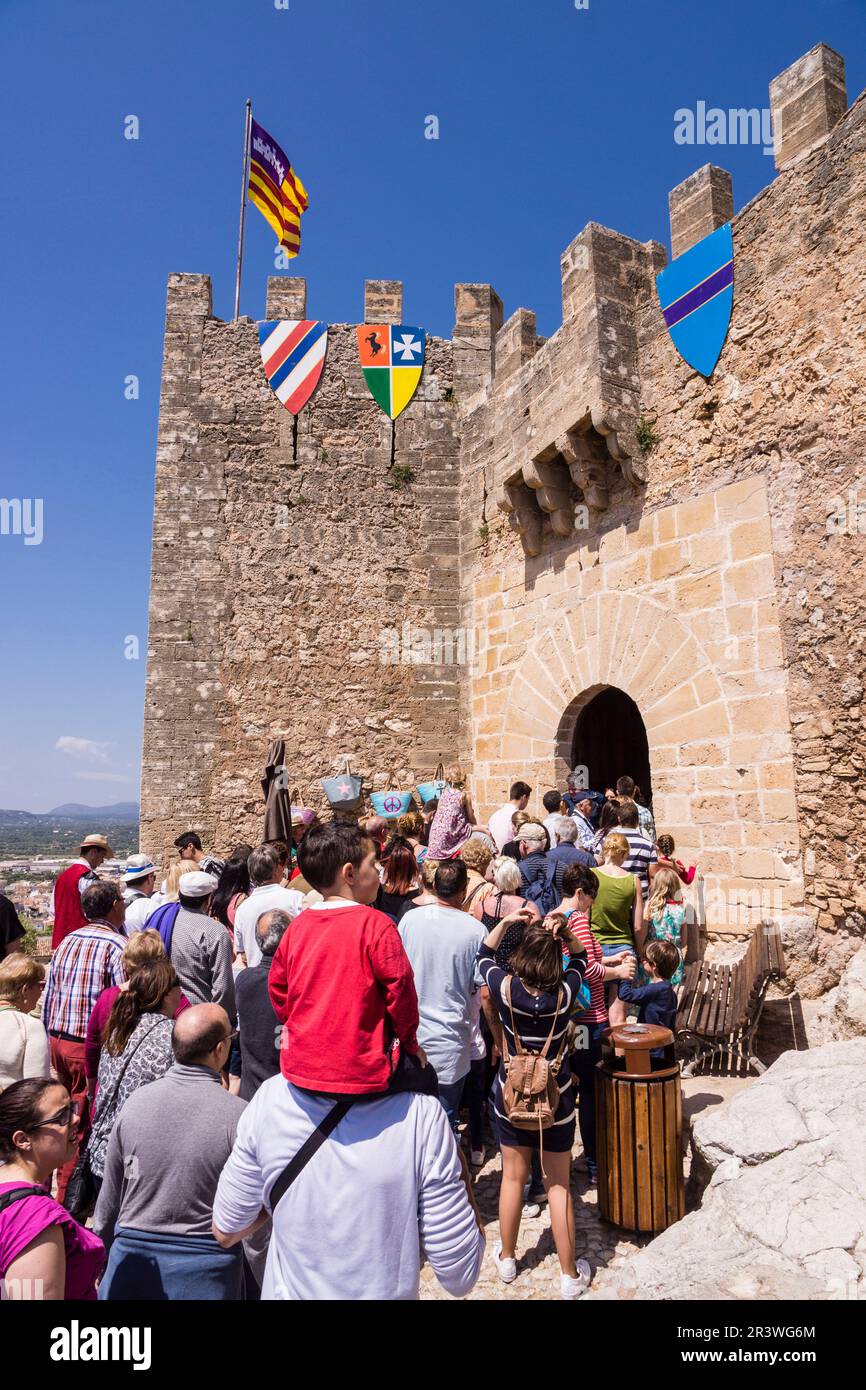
624, 562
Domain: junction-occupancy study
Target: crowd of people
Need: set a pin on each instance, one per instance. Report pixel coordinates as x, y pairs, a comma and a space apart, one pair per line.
249, 1075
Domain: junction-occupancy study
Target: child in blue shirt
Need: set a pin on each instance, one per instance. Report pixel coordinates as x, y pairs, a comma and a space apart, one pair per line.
657, 1001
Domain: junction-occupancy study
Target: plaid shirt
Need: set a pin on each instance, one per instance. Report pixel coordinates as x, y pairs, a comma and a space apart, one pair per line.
86, 963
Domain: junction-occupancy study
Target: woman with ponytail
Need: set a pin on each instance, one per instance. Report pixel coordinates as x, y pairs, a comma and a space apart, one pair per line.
136, 1048
454, 820
141, 946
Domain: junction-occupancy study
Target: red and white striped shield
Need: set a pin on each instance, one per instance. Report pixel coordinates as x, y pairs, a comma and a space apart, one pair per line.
293, 354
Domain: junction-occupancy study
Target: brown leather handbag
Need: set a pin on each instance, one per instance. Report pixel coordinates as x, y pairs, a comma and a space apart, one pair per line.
530, 1093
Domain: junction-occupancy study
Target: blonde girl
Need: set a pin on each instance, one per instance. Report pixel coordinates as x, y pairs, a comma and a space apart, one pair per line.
173, 874
666, 917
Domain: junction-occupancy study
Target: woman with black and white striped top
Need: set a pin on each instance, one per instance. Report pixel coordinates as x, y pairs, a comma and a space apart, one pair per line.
543, 989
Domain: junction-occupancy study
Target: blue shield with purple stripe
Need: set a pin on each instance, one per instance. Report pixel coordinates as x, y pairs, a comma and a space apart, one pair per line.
696, 294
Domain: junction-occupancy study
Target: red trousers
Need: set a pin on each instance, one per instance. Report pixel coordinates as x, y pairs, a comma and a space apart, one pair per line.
67, 1059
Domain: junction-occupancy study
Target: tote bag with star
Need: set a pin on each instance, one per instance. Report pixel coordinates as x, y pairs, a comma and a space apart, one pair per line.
344, 790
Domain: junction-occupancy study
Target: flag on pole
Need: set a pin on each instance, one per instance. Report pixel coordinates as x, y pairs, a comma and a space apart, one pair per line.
275, 189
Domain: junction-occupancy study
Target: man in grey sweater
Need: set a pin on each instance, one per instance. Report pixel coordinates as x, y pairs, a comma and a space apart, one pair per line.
167, 1149
201, 948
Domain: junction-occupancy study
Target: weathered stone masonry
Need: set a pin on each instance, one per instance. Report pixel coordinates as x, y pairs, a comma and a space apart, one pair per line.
274, 576
701, 577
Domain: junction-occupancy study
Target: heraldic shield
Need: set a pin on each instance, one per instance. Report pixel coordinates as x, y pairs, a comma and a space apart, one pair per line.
696, 294
392, 360
293, 354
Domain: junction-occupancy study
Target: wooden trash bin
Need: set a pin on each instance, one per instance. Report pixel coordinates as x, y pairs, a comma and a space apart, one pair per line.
639, 1115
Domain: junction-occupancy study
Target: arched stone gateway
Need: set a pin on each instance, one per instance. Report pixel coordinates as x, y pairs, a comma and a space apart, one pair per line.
703, 792
607, 738
636, 646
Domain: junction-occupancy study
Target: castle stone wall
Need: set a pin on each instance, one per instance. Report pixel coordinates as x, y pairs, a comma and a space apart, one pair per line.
756, 739
275, 578
579, 512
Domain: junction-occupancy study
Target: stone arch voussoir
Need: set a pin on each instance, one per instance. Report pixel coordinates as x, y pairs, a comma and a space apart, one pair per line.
614, 639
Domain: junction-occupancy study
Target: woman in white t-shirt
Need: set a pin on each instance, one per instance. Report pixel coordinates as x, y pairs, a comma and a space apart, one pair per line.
24, 1048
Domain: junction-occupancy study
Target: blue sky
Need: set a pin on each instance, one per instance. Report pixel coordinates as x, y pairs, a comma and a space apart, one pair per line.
550, 117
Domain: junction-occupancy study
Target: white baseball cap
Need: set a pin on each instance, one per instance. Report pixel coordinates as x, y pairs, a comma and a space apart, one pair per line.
196, 885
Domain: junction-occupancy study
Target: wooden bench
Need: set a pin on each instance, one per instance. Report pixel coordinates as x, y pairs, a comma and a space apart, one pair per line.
721, 1002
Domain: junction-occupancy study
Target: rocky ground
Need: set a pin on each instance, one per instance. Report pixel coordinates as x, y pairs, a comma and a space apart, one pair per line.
606, 1247
537, 1266
780, 1176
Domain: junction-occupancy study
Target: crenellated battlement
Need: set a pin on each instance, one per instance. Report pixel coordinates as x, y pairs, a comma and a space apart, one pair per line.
560, 416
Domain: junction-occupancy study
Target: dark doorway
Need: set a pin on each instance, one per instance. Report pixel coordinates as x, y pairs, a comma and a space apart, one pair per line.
610, 740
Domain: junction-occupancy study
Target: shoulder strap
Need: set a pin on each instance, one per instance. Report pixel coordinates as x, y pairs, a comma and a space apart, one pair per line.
474, 894
506, 995
306, 1152
105, 1109
544, 1050
19, 1193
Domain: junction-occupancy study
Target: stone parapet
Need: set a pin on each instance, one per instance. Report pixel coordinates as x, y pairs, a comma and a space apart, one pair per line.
561, 413
383, 301
477, 321
699, 205
286, 297
807, 100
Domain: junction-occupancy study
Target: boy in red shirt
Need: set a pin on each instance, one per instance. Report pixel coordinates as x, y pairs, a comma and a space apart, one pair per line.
340, 981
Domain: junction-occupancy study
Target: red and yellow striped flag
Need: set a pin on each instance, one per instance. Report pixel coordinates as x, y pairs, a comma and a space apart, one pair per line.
275, 189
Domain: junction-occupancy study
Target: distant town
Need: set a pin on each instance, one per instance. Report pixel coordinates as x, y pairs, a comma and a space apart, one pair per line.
28, 884
35, 848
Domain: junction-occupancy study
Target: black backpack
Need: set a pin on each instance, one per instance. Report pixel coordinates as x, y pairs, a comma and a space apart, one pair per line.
543, 892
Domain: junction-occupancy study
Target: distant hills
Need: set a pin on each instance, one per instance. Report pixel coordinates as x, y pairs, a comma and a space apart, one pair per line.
74, 811
59, 831
121, 810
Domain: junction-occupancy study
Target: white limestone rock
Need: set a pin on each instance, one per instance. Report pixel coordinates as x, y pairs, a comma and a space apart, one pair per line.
842, 1012
783, 1213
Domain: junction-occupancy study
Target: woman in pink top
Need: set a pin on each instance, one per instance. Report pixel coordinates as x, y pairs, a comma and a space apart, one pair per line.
580, 886
143, 946
44, 1252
